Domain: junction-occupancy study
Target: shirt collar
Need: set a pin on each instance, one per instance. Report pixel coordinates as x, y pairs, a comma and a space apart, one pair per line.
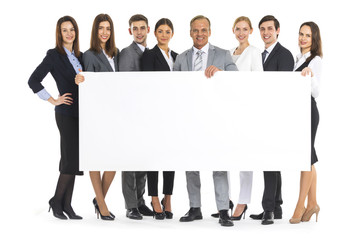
305, 56
269, 49
205, 49
68, 52
142, 48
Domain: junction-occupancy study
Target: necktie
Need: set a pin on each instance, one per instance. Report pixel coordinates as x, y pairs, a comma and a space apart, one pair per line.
198, 61
264, 55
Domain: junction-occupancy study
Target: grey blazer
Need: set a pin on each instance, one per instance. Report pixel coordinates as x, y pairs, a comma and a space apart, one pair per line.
130, 58
98, 62
218, 57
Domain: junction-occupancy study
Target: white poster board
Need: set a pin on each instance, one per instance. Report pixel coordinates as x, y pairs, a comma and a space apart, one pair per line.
148, 121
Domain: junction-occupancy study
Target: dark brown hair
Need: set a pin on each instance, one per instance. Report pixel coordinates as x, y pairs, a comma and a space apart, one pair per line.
164, 21
59, 41
198, 17
110, 47
270, 18
138, 17
316, 45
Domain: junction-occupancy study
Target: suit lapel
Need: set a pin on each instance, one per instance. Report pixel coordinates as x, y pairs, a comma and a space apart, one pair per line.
189, 59
137, 49
161, 58
211, 56
68, 65
273, 52
103, 59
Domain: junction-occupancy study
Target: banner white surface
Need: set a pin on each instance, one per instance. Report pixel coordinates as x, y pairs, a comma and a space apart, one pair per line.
149, 121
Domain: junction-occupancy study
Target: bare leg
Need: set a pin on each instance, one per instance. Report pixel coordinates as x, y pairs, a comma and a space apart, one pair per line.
305, 184
107, 178
239, 210
311, 203
156, 204
167, 202
97, 185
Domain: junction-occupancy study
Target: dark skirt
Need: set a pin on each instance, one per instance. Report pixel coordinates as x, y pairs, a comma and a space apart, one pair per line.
69, 144
314, 126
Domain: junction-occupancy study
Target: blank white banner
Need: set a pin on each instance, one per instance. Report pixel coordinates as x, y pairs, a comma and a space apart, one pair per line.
149, 121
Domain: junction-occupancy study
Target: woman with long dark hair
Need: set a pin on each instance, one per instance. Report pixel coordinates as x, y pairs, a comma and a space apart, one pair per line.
160, 58
63, 62
309, 62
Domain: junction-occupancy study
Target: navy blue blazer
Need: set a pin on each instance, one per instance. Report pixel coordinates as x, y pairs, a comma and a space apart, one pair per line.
280, 59
153, 60
64, 74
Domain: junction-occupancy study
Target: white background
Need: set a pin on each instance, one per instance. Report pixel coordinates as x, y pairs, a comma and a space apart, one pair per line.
30, 141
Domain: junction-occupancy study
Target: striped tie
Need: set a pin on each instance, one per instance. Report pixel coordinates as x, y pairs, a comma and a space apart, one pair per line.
198, 61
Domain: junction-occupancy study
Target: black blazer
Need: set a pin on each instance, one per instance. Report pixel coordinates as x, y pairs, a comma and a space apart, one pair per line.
153, 60
64, 74
280, 59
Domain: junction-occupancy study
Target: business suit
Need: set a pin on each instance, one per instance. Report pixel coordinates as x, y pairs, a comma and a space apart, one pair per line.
133, 183
280, 59
154, 60
221, 59
98, 62
67, 116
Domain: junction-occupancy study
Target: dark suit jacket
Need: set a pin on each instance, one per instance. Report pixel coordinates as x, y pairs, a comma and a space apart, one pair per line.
64, 74
98, 62
280, 59
153, 60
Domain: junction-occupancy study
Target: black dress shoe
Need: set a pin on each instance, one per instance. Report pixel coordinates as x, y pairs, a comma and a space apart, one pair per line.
133, 213
97, 207
191, 215
224, 219
57, 210
240, 216
71, 214
277, 215
231, 206
144, 210
168, 215
268, 218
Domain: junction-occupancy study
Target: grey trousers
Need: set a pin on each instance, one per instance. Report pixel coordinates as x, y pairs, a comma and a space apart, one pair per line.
221, 186
133, 187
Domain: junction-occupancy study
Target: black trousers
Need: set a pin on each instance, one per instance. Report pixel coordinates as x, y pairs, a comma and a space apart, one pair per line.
272, 192
168, 182
314, 125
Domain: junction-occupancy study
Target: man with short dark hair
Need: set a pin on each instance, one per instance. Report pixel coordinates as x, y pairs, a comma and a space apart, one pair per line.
275, 58
133, 183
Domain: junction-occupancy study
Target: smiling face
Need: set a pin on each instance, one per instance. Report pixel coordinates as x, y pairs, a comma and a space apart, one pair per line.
139, 30
163, 34
104, 33
242, 31
67, 32
200, 33
269, 33
305, 39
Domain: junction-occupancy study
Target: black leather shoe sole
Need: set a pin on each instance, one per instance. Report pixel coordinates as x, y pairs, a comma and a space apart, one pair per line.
226, 223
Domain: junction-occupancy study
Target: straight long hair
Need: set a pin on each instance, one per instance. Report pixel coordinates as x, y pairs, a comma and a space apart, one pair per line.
110, 47
59, 40
316, 44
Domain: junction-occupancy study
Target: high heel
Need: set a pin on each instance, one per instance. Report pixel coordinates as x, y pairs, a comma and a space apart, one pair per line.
297, 220
308, 214
237, 218
97, 207
168, 215
157, 215
57, 211
231, 206
97, 211
71, 214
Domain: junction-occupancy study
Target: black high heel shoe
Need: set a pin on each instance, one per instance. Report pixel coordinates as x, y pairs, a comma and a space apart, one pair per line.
239, 217
71, 214
231, 206
97, 211
168, 215
57, 211
97, 206
157, 215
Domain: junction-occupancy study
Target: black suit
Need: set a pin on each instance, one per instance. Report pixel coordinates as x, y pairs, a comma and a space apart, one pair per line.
153, 60
280, 59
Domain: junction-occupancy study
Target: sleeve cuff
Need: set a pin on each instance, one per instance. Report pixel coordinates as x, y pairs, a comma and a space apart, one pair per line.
43, 94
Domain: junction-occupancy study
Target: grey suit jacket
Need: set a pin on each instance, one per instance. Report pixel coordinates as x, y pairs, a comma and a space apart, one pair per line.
98, 62
130, 58
218, 57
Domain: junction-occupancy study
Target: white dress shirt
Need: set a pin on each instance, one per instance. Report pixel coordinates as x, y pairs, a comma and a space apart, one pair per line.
249, 60
204, 56
169, 59
142, 48
110, 59
269, 49
316, 67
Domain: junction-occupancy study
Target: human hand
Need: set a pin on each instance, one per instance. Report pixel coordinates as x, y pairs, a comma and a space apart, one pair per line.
306, 71
64, 99
79, 78
210, 71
